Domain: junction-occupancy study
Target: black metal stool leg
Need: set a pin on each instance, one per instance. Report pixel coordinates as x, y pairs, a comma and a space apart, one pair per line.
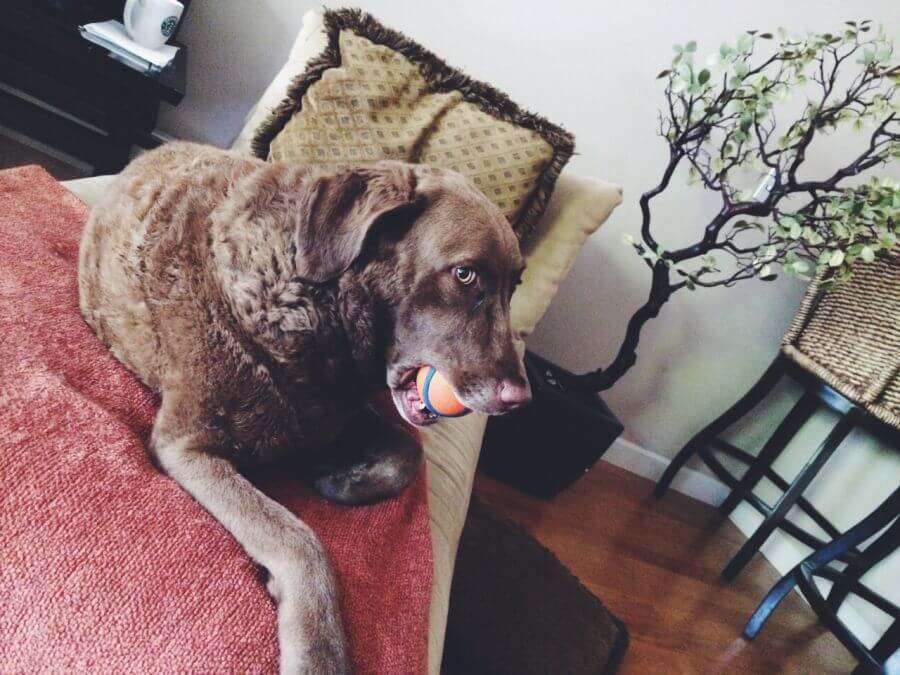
863, 530
783, 434
877, 551
888, 644
800, 483
808, 587
757, 393
773, 598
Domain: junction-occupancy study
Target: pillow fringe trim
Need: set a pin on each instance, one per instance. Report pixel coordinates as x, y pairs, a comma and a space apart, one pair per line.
440, 78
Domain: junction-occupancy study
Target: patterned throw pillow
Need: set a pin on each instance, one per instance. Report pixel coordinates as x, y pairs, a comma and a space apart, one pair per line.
374, 94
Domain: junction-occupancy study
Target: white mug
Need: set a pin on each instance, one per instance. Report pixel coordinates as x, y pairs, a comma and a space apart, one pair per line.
151, 22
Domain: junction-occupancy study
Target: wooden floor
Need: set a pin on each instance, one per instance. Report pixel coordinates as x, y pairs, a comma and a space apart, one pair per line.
655, 564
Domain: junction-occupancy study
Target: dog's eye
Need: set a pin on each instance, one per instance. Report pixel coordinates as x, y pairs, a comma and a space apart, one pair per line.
465, 275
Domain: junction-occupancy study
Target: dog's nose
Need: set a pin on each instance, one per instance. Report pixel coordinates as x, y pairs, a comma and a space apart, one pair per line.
514, 394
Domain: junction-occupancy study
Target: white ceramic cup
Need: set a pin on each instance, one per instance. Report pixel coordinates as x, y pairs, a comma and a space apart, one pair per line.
151, 22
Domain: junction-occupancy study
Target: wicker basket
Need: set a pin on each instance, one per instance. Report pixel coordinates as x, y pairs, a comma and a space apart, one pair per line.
849, 336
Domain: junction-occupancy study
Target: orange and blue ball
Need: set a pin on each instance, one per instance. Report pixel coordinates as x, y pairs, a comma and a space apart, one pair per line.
437, 394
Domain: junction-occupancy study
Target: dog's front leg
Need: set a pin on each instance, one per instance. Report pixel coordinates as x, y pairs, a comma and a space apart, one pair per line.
301, 581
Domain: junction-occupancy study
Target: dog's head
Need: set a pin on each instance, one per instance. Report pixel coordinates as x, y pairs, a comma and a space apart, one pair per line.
442, 261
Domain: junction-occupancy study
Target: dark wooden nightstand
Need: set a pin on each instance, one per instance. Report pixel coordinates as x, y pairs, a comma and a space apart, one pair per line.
61, 90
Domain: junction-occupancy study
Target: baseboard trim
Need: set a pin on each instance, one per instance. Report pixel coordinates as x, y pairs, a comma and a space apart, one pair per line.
636, 459
782, 551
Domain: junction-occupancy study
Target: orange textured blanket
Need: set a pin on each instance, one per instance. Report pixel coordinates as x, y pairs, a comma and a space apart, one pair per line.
106, 565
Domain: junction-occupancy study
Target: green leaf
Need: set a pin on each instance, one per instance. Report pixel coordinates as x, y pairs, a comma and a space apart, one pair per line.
836, 259
813, 237
691, 46
796, 230
746, 122
735, 105
867, 254
663, 74
703, 77
766, 273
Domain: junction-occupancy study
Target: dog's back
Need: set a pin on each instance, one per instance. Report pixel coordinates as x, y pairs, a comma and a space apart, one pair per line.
146, 220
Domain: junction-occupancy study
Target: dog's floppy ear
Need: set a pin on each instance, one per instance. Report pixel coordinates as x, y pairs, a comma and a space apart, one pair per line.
341, 208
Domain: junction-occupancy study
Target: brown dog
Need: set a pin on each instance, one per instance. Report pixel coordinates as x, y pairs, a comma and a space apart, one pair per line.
266, 303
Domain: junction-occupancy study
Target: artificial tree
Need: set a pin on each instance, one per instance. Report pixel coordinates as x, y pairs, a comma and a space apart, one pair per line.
720, 124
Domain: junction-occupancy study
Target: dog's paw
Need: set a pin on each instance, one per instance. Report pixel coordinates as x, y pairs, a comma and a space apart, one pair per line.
367, 482
352, 486
310, 631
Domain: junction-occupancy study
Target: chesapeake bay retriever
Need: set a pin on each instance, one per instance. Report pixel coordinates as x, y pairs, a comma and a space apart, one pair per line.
266, 303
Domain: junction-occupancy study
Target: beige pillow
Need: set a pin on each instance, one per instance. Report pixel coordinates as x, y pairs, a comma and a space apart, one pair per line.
578, 207
374, 94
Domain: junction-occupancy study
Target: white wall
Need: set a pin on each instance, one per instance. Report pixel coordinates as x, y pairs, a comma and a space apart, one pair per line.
590, 66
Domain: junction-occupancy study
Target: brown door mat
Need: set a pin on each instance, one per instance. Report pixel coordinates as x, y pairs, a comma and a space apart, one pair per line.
514, 608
